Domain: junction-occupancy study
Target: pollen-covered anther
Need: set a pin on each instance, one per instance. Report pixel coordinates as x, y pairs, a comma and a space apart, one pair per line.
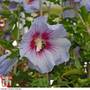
39, 43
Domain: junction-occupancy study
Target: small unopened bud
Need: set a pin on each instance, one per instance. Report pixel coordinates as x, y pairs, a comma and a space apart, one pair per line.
14, 43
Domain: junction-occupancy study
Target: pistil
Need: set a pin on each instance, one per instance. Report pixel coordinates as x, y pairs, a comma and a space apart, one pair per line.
39, 44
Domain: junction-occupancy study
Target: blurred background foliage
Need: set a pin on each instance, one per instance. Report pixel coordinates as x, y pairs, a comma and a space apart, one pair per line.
75, 73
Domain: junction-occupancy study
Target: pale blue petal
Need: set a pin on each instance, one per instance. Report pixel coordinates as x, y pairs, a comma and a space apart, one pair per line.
19, 1
41, 19
61, 43
2, 58
77, 0
42, 63
33, 7
60, 50
69, 13
24, 48
88, 5
40, 25
6, 65
58, 31
29, 9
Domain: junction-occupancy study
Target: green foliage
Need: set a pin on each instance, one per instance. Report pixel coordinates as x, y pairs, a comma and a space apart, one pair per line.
6, 44
70, 74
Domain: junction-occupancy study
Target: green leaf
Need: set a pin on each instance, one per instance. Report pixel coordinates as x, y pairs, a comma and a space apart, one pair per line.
15, 33
15, 53
89, 18
5, 13
77, 64
1, 33
40, 82
6, 44
84, 82
84, 13
73, 72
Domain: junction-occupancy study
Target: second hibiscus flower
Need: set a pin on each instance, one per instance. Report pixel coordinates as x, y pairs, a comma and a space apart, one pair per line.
45, 45
32, 5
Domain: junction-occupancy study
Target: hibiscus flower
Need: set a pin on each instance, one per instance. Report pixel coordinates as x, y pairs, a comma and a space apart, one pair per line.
32, 5
45, 45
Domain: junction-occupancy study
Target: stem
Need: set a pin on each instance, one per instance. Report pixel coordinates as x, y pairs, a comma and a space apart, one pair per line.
88, 29
15, 69
82, 20
88, 70
49, 7
85, 24
48, 78
41, 10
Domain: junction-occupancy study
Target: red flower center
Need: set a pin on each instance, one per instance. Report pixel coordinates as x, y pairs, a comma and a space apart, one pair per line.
40, 42
29, 1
